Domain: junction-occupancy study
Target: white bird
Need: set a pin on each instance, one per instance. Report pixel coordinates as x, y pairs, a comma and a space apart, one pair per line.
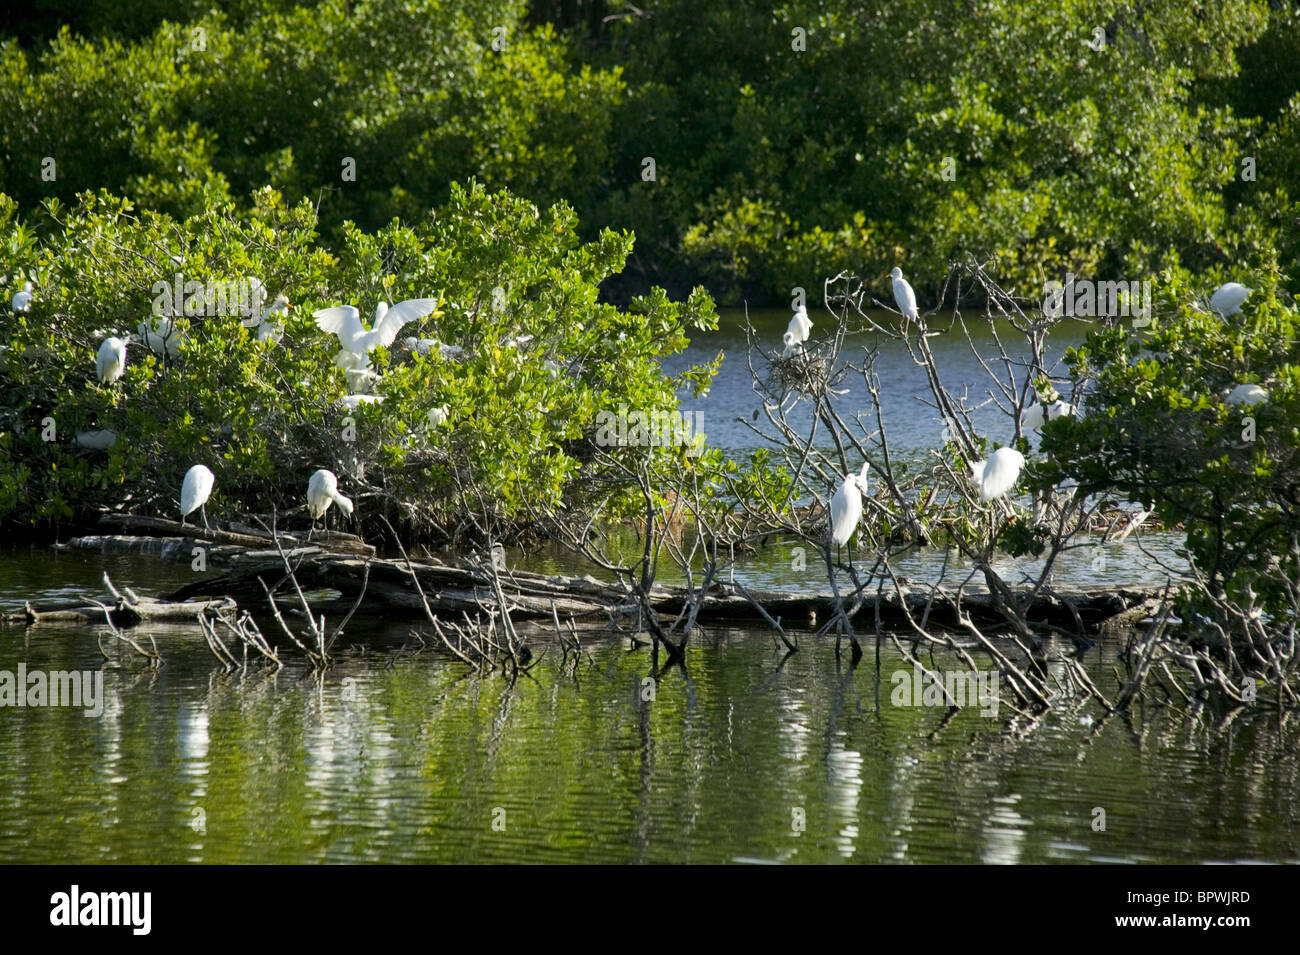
100, 439
323, 490
797, 332
162, 338
270, 321
846, 507
904, 297
437, 416
360, 378
998, 474
353, 402
1228, 298
195, 490
345, 322
1038, 414
110, 362
1250, 394
22, 300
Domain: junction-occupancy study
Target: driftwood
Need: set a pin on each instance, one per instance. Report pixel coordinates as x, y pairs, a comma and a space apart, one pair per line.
245, 536
457, 590
122, 612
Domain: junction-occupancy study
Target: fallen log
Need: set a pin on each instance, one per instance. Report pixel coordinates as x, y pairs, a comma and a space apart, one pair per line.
122, 612
245, 536
457, 590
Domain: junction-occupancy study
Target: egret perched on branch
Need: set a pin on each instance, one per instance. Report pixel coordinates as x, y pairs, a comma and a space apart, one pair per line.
353, 402
22, 300
437, 415
270, 321
195, 490
1228, 298
345, 322
323, 490
846, 508
797, 332
1250, 394
995, 476
904, 297
110, 362
1038, 414
161, 338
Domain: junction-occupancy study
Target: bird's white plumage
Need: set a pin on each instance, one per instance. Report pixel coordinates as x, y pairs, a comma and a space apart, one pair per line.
904, 297
196, 488
437, 416
345, 322
162, 337
1249, 394
22, 300
846, 506
998, 474
1038, 414
110, 362
323, 490
270, 320
1228, 298
797, 332
353, 402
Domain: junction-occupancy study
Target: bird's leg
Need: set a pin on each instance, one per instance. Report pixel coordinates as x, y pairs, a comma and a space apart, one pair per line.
203, 510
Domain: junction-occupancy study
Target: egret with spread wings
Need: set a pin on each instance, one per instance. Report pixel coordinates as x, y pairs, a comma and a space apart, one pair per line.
345, 322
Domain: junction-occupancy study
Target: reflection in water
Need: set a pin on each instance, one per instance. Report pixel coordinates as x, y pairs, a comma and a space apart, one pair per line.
405, 758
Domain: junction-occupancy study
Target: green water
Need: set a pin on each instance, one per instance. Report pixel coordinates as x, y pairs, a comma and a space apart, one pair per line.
398, 755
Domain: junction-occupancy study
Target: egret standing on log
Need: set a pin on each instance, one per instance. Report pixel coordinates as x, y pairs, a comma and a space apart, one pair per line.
904, 297
110, 363
846, 508
195, 491
323, 490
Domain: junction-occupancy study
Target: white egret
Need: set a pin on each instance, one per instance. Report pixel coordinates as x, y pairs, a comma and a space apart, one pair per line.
195, 490
323, 490
1038, 414
995, 476
22, 300
797, 332
1249, 394
437, 416
360, 378
1228, 298
100, 439
162, 338
110, 362
353, 402
846, 508
904, 297
270, 321
345, 322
